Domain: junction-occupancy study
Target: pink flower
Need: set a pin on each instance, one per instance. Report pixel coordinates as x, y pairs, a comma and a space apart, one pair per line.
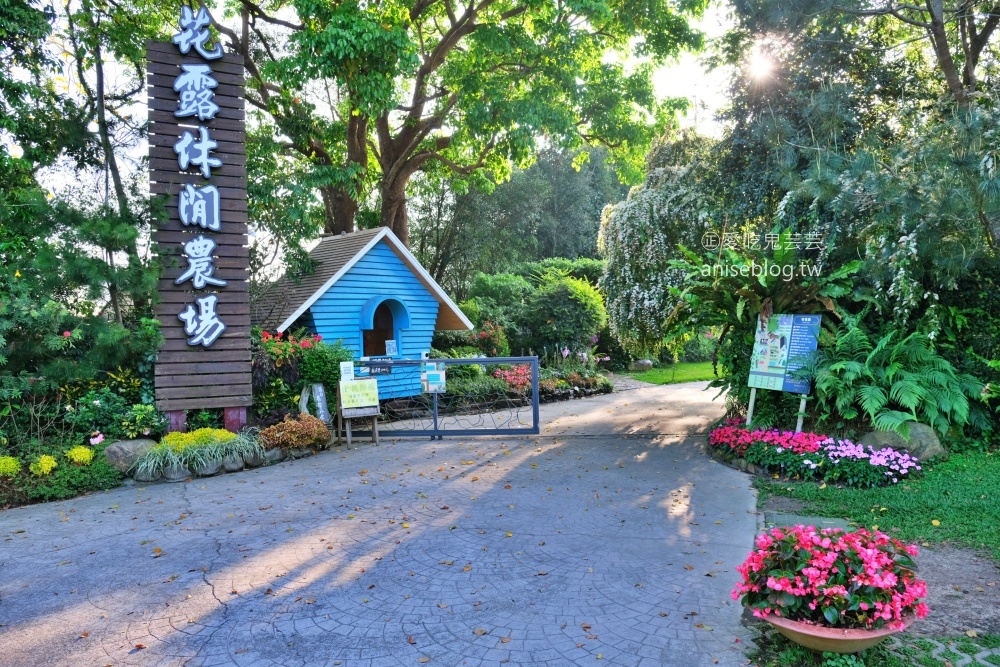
97, 439
67, 334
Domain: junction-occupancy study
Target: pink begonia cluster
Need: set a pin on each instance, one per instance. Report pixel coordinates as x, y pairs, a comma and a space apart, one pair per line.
518, 377
738, 439
859, 579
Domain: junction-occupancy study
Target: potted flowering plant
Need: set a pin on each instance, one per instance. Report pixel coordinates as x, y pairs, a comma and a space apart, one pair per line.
831, 590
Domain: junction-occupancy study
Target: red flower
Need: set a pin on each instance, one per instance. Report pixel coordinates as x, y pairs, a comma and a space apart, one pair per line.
67, 334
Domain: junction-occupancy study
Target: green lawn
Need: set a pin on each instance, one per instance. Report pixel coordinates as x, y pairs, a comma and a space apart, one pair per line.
675, 373
954, 501
904, 650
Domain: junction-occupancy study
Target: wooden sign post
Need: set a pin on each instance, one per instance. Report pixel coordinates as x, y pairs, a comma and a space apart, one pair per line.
357, 399
197, 158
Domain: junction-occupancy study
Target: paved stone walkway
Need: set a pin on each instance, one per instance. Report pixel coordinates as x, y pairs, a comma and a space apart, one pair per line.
609, 538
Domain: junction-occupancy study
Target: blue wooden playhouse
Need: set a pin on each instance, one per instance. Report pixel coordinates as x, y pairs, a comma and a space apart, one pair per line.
367, 289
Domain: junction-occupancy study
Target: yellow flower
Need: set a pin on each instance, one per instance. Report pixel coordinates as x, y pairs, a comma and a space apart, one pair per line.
43, 465
80, 455
9, 466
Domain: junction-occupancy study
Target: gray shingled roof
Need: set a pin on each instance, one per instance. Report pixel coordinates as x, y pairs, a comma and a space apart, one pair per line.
281, 298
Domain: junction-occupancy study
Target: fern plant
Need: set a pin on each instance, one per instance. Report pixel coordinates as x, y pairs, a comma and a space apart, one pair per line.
892, 383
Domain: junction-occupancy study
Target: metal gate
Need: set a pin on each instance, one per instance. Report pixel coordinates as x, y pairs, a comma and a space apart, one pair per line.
476, 402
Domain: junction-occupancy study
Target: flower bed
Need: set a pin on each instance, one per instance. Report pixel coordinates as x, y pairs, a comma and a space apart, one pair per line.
832, 578
202, 449
811, 456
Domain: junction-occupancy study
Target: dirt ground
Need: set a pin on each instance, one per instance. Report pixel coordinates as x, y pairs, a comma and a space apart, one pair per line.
963, 587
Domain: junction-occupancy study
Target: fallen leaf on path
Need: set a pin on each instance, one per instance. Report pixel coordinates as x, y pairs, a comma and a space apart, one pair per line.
479, 632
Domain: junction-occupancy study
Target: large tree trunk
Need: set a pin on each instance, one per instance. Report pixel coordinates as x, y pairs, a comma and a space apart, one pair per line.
393, 214
341, 208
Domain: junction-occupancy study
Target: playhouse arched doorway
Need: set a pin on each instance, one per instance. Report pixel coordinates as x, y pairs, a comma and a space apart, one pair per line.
382, 320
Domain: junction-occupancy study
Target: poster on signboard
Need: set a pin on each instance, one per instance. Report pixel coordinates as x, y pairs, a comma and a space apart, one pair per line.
432, 378
782, 345
391, 348
346, 370
358, 393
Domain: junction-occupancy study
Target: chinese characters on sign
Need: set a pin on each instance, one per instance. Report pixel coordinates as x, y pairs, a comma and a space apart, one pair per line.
712, 240
197, 162
194, 32
198, 206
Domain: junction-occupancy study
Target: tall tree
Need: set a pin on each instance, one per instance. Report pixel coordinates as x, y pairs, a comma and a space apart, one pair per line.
551, 209
372, 93
959, 33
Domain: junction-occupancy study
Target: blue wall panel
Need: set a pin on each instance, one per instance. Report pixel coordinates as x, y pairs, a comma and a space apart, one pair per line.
380, 273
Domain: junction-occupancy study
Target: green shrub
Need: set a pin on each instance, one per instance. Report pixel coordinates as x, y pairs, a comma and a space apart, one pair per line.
141, 420
478, 388
490, 340
505, 289
321, 364
99, 410
470, 308
72, 480
463, 372
582, 268
564, 312
205, 419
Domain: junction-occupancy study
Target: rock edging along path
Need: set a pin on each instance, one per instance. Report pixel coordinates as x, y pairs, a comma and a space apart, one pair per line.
610, 536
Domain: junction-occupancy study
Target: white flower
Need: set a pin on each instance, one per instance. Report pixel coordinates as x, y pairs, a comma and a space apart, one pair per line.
97, 402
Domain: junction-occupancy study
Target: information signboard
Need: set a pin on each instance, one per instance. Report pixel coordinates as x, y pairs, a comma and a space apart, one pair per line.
432, 378
782, 345
358, 393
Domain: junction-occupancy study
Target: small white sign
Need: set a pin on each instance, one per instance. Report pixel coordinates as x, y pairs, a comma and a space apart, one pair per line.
346, 370
391, 348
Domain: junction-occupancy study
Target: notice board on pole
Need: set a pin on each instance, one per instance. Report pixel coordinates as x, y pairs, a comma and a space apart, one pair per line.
782, 345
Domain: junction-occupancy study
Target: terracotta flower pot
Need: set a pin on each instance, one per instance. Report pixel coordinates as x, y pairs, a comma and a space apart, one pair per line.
834, 640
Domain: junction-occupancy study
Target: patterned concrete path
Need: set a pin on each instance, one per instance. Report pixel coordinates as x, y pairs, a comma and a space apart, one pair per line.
608, 540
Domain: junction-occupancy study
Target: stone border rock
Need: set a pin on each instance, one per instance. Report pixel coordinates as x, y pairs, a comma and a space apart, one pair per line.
231, 463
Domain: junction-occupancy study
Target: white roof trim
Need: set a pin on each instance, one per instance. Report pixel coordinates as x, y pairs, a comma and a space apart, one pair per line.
427, 280
333, 279
398, 246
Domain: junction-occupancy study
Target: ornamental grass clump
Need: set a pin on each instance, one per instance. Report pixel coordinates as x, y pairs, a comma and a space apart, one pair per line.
195, 449
832, 578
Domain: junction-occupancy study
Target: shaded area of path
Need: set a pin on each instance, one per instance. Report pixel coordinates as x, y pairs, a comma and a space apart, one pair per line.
610, 535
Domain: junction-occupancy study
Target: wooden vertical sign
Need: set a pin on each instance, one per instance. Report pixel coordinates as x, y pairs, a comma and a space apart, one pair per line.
197, 158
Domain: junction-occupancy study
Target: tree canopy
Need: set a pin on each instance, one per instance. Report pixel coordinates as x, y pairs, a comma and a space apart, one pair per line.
372, 93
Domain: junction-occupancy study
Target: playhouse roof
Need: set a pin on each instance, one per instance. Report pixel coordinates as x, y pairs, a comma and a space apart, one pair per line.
284, 300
